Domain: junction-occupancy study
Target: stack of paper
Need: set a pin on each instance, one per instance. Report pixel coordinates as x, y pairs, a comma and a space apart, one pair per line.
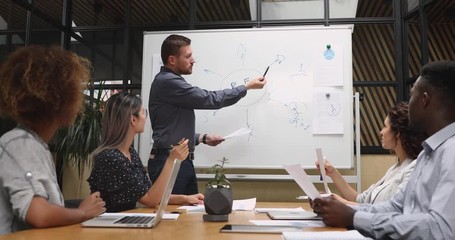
244, 204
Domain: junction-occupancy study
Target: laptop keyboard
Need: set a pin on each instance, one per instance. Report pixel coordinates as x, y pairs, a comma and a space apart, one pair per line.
134, 220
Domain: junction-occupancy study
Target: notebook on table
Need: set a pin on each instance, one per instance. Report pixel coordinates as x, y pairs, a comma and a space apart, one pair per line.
324, 235
137, 220
292, 215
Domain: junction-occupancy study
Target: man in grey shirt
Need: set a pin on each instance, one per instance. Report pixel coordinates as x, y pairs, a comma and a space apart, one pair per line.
172, 102
425, 208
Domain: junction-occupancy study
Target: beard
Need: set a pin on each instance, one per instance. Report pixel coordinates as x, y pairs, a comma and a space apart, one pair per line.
186, 70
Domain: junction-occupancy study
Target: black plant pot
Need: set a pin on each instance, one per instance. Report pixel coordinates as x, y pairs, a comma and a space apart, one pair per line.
218, 204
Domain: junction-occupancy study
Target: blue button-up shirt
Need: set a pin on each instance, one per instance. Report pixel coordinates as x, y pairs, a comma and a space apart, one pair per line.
425, 209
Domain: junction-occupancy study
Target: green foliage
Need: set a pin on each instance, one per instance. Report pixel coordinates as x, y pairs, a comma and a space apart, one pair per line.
73, 145
219, 181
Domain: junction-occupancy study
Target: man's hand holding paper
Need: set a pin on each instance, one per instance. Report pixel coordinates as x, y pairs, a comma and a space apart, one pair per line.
239, 132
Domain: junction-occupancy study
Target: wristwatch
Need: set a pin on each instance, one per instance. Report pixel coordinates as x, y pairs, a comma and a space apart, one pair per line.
204, 138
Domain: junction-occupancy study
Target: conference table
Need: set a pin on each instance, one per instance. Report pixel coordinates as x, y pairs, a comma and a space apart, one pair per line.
187, 226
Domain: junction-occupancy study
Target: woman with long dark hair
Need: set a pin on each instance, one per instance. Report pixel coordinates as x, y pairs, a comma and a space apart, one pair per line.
118, 173
402, 141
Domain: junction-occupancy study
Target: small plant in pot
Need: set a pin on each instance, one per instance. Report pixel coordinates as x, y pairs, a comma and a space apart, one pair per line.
218, 195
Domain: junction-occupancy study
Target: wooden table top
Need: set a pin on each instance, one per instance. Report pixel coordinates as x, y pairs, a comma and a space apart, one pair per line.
187, 226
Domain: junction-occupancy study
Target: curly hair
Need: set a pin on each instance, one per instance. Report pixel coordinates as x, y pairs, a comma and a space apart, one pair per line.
410, 139
40, 84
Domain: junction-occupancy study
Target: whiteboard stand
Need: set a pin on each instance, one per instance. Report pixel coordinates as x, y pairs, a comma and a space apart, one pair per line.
357, 141
270, 177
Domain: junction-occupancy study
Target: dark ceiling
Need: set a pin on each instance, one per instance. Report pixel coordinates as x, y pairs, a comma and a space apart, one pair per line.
48, 13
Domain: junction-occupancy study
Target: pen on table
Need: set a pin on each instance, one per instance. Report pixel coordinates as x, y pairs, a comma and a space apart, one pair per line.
266, 70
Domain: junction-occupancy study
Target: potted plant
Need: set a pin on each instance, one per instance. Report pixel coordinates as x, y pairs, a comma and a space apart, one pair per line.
72, 146
218, 195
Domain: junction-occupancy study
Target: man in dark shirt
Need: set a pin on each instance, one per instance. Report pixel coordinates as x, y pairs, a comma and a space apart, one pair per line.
172, 102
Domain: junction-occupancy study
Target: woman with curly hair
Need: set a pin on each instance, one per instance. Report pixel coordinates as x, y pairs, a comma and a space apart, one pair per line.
402, 141
41, 89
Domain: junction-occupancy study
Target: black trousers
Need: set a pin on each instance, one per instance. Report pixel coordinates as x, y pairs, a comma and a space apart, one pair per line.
186, 182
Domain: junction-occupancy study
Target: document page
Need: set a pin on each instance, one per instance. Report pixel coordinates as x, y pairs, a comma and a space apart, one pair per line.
321, 161
298, 174
238, 133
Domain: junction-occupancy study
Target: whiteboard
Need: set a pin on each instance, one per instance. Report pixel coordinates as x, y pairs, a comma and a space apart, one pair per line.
306, 104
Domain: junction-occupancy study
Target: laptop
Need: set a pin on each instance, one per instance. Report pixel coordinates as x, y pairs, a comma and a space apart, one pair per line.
137, 220
292, 215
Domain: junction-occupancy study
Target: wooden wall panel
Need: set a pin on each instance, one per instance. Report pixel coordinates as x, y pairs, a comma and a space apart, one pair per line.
373, 53
374, 67
441, 42
374, 62
373, 110
414, 49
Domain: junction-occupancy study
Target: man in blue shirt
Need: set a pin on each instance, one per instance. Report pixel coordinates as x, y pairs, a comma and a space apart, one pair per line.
172, 102
425, 208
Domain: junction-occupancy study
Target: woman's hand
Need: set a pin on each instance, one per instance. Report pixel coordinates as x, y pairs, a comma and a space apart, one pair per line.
180, 151
180, 199
341, 199
329, 169
194, 199
92, 206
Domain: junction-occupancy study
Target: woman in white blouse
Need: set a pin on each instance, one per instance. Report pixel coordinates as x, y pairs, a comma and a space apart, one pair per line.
404, 142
